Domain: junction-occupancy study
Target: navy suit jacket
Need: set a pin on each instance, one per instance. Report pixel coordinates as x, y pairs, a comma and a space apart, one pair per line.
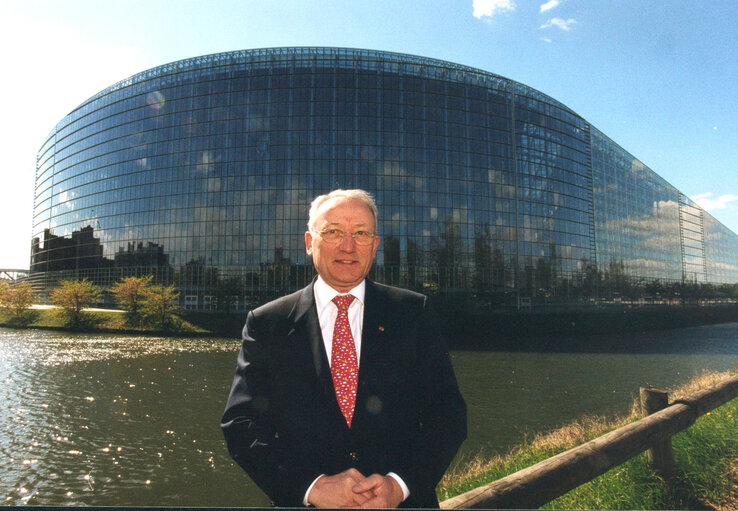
282, 423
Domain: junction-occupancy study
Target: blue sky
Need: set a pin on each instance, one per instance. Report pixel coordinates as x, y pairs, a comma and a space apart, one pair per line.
658, 77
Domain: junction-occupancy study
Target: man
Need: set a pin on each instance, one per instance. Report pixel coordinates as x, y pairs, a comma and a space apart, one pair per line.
344, 394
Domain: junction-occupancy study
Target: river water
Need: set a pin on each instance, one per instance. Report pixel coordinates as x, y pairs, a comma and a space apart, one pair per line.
120, 420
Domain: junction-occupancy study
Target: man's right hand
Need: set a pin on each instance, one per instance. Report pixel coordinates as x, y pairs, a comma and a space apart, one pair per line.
336, 490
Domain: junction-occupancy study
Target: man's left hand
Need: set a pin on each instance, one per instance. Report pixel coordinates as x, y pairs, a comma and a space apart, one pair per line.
385, 491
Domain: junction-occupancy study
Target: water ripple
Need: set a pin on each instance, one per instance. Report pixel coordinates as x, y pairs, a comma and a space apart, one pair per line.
88, 420
96, 420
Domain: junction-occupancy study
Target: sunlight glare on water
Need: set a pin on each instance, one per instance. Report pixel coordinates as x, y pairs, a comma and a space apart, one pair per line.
113, 420
134, 421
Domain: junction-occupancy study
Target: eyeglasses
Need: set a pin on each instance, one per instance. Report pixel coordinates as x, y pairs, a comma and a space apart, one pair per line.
336, 235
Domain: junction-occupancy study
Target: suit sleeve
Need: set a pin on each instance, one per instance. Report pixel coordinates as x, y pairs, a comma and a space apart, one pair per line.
442, 412
251, 436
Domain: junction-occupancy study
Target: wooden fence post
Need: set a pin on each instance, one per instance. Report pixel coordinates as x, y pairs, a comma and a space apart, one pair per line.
660, 455
536, 485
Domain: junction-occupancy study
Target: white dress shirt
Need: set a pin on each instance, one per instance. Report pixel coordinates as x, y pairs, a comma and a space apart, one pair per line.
327, 314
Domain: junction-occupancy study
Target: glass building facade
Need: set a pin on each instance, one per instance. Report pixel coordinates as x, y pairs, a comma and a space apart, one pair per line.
201, 171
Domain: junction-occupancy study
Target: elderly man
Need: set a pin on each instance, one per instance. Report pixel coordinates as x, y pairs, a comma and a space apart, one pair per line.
344, 394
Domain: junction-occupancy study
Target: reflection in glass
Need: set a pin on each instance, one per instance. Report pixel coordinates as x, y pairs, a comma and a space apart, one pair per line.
200, 172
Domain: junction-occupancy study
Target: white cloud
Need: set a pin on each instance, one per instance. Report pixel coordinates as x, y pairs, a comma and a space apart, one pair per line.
549, 5
560, 23
488, 8
700, 196
546, 40
706, 202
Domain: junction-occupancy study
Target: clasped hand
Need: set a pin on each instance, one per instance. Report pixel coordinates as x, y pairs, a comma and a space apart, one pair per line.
351, 489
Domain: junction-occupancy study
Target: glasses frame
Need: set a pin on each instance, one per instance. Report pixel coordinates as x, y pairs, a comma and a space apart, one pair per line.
343, 236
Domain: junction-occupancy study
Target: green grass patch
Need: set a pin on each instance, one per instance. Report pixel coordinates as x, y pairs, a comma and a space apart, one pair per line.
101, 321
706, 459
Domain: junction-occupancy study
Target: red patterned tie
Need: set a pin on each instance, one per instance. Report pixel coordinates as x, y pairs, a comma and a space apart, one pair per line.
344, 367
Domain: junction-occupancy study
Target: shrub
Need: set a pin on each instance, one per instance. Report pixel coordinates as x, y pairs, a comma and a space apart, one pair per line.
159, 304
71, 297
16, 301
130, 294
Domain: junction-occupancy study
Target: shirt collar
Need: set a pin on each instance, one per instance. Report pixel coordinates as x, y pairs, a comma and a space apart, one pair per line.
325, 293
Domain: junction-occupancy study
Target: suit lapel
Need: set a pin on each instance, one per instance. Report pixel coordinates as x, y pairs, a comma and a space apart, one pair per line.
304, 315
305, 318
372, 331
372, 347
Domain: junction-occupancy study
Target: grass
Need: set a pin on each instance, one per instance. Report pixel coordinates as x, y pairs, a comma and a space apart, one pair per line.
706, 458
100, 321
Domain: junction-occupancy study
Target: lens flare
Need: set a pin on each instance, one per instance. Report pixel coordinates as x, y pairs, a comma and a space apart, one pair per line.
156, 100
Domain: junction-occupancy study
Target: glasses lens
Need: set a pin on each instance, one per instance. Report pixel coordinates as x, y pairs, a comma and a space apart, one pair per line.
363, 238
337, 235
332, 235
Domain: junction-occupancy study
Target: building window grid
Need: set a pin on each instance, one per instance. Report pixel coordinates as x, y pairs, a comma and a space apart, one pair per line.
466, 173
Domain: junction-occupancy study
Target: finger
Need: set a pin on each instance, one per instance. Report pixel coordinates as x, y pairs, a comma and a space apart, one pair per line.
368, 483
354, 474
357, 499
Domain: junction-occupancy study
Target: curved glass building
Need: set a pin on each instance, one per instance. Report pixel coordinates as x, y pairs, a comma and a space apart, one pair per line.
200, 172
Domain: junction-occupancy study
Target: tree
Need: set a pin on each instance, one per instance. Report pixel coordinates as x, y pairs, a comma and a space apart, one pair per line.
71, 297
158, 305
16, 300
130, 293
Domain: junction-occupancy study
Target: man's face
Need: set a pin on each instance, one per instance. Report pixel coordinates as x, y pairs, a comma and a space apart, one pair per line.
343, 265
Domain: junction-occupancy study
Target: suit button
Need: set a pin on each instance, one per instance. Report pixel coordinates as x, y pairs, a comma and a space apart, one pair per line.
354, 456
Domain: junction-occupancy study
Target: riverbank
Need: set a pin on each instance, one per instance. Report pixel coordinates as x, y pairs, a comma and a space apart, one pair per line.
512, 331
706, 457
105, 321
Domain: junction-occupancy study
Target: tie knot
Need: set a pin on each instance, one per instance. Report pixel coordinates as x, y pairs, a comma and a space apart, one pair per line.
343, 301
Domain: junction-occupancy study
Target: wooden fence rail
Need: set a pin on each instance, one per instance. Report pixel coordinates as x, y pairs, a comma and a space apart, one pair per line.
534, 486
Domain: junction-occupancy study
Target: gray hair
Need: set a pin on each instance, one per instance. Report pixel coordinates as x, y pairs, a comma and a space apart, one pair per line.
358, 195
